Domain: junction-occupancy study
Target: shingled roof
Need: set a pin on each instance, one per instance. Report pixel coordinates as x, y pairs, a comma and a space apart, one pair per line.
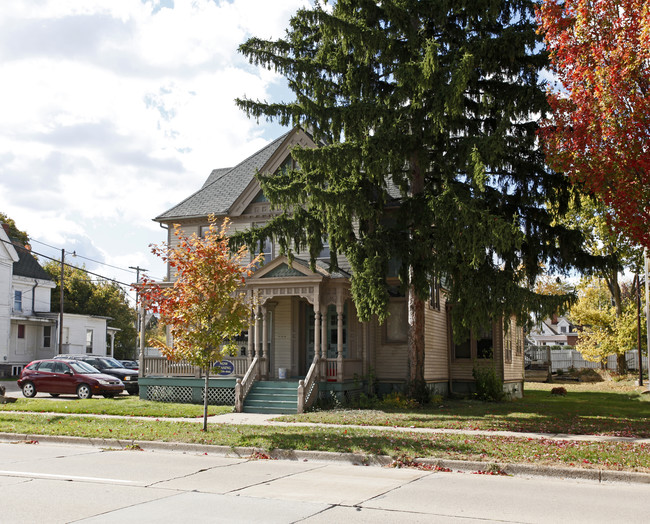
27, 266
222, 187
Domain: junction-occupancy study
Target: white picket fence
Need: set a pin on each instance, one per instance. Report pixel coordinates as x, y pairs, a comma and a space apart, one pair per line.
565, 359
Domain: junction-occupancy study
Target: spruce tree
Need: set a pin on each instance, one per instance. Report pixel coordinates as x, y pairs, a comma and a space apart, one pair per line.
426, 115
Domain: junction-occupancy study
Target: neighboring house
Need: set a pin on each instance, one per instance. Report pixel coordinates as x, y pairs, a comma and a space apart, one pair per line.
307, 324
554, 331
28, 330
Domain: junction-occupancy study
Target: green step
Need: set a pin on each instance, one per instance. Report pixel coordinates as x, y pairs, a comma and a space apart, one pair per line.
272, 396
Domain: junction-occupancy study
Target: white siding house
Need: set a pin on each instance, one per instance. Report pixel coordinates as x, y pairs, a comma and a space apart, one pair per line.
28, 329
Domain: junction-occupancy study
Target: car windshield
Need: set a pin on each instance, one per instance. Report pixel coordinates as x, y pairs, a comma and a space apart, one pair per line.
82, 367
111, 362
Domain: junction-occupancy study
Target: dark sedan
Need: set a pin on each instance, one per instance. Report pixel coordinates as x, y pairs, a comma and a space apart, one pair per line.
109, 366
59, 377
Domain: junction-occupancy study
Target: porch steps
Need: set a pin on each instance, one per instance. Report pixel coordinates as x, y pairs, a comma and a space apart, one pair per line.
279, 396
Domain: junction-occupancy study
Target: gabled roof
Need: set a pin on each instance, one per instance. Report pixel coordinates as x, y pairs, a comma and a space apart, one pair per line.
27, 266
215, 175
6, 246
222, 187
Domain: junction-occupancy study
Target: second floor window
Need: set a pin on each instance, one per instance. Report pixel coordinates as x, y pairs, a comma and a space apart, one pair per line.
266, 248
18, 300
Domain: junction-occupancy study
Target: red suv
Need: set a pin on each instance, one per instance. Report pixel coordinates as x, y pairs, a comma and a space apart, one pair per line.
60, 377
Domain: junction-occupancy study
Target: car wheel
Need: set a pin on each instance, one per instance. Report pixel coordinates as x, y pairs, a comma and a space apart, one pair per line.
54, 395
29, 390
83, 391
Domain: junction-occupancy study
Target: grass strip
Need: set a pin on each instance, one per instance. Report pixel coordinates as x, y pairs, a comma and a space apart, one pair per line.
587, 409
121, 405
621, 456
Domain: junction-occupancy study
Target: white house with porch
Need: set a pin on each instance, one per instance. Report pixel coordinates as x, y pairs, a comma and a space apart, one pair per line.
305, 340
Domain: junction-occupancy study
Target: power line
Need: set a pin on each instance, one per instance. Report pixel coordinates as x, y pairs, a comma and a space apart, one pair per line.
66, 264
74, 254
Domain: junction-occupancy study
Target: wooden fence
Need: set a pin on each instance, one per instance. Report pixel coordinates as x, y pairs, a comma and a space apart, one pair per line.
566, 359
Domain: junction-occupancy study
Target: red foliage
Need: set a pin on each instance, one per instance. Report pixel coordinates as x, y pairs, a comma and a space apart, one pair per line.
599, 132
206, 305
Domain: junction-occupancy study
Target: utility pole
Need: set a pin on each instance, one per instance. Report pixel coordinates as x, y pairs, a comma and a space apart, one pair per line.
647, 307
139, 322
61, 302
637, 281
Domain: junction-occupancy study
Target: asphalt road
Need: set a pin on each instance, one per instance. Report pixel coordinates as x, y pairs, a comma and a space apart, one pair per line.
45, 482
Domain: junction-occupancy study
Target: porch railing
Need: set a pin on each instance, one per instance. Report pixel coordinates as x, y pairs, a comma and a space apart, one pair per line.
243, 386
167, 368
330, 369
308, 388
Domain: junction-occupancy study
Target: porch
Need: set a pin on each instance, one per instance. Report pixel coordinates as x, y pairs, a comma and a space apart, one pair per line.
304, 330
166, 381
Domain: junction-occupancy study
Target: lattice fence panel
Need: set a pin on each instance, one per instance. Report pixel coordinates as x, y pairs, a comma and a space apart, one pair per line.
181, 394
220, 396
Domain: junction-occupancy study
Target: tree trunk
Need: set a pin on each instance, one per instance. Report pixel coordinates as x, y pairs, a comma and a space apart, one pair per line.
416, 383
417, 387
205, 399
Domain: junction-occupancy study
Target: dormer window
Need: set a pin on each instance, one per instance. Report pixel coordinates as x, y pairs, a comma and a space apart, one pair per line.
563, 329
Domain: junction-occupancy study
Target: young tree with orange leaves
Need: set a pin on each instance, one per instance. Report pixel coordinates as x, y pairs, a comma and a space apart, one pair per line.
600, 130
206, 306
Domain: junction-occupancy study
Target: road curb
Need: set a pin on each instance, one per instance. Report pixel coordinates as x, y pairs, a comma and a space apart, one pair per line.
597, 475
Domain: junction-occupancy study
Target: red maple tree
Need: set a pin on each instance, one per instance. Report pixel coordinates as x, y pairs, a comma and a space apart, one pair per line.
206, 306
599, 131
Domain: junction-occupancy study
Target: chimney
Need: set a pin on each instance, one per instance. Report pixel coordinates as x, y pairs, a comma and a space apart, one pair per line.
6, 228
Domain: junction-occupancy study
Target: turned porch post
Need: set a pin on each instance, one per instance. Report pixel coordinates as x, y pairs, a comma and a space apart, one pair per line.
339, 336
256, 335
251, 334
323, 343
265, 344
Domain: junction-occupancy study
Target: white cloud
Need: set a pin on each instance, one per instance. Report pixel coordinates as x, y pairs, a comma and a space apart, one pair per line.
114, 111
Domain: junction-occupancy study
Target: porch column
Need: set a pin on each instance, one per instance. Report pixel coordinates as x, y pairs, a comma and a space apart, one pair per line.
323, 345
316, 335
251, 334
265, 344
256, 333
339, 336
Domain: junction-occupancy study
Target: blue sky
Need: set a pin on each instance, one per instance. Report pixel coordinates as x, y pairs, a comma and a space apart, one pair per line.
113, 111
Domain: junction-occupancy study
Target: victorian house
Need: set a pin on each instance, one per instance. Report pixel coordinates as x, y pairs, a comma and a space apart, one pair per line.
306, 339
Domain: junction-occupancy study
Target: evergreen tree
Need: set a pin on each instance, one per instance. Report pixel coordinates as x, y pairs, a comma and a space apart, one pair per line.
426, 115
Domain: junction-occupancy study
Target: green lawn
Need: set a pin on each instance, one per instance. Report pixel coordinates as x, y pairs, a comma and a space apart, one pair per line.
399, 445
120, 405
605, 408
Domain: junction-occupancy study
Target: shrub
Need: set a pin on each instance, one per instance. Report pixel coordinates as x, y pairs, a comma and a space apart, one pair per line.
489, 386
561, 392
399, 400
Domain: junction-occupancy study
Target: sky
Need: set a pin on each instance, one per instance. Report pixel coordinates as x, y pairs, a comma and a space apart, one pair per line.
114, 111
